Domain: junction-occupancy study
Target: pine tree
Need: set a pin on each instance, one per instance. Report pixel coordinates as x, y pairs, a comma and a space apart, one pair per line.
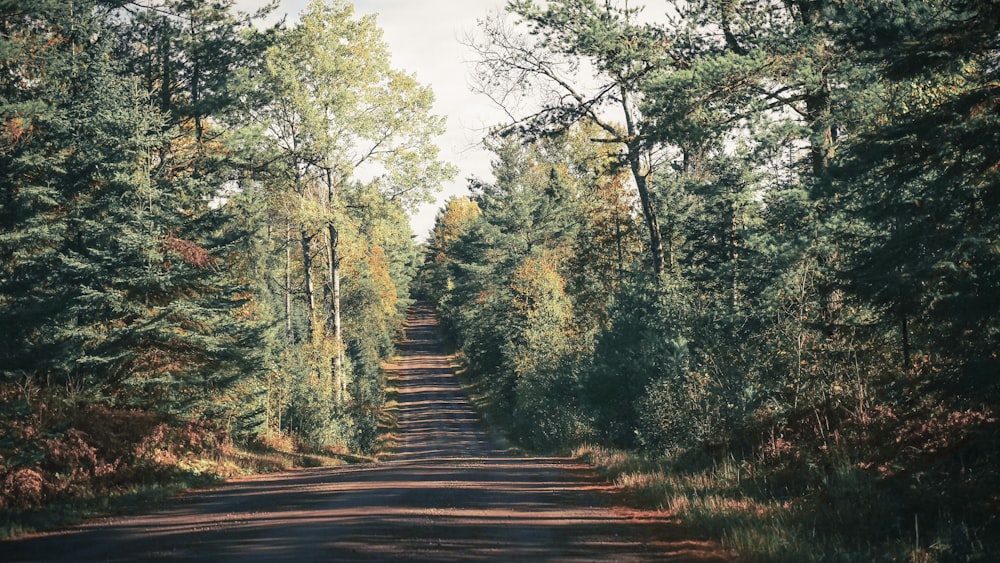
920, 186
561, 38
126, 295
186, 53
86, 159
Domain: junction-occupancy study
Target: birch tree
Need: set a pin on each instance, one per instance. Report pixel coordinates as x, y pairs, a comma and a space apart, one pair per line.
342, 119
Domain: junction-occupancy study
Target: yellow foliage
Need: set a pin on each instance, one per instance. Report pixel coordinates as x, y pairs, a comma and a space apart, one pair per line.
540, 290
379, 264
452, 223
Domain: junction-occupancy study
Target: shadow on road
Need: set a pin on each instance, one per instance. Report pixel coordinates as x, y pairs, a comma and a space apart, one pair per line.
447, 495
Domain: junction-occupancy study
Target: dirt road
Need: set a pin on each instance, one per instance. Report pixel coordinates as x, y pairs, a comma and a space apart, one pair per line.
448, 494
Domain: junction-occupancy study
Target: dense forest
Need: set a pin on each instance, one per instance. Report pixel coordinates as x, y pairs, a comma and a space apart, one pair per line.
758, 245
752, 249
204, 239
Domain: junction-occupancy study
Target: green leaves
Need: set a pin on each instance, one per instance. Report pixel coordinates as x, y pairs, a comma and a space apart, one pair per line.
348, 143
120, 278
920, 185
819, 175
342, 108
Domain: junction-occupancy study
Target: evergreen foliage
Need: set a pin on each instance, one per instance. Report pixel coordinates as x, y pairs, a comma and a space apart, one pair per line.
128, 305
157, 236
824, 188
762, 235
921, 198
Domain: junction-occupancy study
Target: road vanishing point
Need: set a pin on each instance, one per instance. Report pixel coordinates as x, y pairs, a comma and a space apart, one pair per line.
449, 493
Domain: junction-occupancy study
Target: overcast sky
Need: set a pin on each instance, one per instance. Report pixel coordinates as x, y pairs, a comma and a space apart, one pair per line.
423, 36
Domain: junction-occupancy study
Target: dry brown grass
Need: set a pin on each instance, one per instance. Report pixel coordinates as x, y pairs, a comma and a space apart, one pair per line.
63, 460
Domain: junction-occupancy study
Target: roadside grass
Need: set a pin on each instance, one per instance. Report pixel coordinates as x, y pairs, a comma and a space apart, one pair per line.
919, 489
63, 460
765, 512
388, 433
717, 500
153, 484
67, 512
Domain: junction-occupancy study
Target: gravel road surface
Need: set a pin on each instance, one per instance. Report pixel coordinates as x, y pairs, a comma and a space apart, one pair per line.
449, 494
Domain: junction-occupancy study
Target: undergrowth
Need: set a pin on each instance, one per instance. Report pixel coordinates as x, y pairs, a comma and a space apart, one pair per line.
63, 461
841, 513
388, 422
917, 492
918, 486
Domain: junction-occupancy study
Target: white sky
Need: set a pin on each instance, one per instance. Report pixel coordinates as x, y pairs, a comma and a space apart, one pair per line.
424, 38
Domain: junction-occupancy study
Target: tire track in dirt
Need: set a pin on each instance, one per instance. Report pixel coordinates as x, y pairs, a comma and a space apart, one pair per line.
448, 494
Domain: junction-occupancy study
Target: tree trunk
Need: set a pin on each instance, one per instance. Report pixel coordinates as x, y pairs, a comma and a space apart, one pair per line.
306, 240
819, 105
633, 153
166, 79
332, 241
196, 92
289, 335
648, 214
620, 272
338, 334
333, 275
734, 234
818, 110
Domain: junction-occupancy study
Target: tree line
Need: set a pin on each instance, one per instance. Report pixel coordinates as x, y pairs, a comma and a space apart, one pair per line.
761, 231
202, 220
